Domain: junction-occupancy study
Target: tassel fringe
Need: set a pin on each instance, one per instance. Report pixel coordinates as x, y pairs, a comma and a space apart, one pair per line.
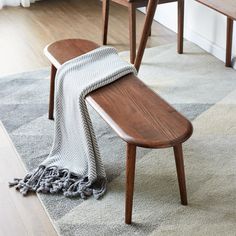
54, 180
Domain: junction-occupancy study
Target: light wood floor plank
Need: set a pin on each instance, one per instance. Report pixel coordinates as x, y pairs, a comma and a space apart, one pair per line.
26, 31
19, 215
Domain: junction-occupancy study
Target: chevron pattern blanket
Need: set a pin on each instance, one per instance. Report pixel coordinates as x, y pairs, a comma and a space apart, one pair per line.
74, 166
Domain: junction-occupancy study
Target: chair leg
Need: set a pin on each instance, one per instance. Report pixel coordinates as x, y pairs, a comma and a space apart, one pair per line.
105, 16
51, 95
180, 173
151, 8
132, 31
229, 42
180, 26
130, 174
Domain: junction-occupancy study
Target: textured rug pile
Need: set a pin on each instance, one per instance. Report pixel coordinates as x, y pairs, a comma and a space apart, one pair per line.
196, 84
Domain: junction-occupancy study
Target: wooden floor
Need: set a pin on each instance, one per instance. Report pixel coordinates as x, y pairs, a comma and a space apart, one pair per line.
23, 35
18, 215
24, 32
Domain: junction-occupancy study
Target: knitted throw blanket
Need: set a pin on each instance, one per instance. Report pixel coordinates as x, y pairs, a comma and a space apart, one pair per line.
74, 166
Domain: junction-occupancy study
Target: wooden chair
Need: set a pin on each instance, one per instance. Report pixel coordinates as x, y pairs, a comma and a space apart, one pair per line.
132, 5
146, 119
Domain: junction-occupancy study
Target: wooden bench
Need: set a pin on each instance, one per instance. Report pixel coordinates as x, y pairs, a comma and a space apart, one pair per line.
227, 8
138, 115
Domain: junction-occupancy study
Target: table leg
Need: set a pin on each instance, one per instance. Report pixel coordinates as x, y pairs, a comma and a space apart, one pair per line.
132, 31
229, 42
105, 16
180, 26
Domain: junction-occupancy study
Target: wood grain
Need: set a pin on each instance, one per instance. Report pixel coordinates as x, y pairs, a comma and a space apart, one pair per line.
138, 115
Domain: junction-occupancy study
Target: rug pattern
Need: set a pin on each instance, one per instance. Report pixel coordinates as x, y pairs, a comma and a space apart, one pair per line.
196, 84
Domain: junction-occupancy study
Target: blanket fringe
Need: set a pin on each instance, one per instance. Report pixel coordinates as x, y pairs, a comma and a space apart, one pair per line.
55, 180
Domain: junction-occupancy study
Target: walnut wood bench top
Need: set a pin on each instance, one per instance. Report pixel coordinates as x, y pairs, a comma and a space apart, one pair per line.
226, 7
136, 113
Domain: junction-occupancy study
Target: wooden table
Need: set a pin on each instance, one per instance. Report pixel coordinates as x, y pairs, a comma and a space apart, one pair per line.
227, 8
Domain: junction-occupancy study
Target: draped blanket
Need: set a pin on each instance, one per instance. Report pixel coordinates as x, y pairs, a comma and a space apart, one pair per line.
74, 166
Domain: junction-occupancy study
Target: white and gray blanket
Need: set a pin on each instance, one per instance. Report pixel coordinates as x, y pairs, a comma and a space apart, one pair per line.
74, 166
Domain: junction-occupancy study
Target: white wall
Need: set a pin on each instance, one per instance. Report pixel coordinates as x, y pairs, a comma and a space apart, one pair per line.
203, 26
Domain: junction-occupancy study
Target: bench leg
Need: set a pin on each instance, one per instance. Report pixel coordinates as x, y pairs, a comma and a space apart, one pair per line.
150, 33
105, 16
132, 31
151, 8
180, 26
130, 174
229, 42
51, 95
180, 173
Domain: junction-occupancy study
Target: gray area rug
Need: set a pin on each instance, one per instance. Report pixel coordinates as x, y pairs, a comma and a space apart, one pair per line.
196, 84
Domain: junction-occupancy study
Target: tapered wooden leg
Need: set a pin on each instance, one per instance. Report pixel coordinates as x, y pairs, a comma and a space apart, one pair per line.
150, 33
180, 26
132, 31
229, 41
51, 95
151, 8
105, 16
180, 173
130, 173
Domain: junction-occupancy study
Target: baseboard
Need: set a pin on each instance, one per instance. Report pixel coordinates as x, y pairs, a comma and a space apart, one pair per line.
205, 44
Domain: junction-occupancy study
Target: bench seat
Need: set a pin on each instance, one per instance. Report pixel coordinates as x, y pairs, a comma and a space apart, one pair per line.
138, 115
